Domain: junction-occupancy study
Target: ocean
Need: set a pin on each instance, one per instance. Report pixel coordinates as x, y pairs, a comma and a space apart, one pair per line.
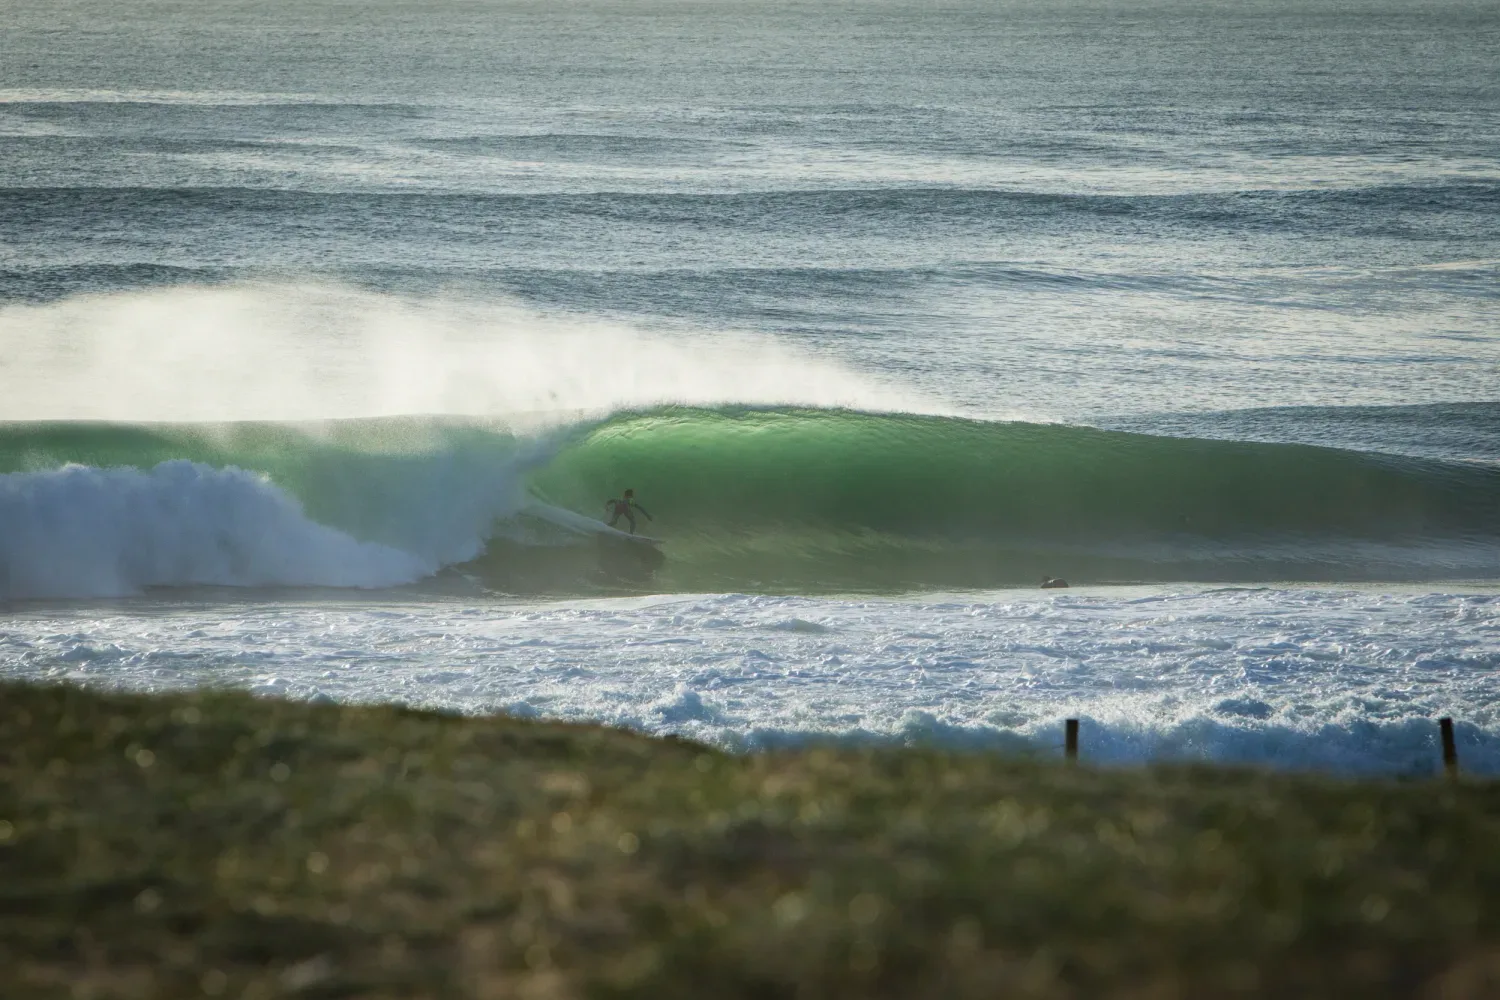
327, 329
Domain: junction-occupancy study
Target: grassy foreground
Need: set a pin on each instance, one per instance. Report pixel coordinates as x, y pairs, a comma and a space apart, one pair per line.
222, 845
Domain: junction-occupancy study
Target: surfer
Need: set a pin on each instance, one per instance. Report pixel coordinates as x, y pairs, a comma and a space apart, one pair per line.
623, 508
1053, 583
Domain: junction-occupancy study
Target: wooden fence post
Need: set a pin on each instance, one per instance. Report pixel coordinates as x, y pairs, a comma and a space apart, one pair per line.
1450, 748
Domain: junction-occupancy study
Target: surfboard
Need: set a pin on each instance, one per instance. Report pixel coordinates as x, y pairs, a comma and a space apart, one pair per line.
583, 524
621, 555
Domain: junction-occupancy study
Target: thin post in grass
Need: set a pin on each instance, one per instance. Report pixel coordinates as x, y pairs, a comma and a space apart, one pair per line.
1450, 748
1070, 740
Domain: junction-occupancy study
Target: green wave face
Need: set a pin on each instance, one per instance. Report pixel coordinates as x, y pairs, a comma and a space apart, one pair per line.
805, 500
795, 499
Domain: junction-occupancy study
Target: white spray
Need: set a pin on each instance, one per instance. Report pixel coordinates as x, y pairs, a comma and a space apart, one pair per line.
307, 352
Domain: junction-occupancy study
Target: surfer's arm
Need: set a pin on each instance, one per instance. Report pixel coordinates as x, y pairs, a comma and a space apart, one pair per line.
642, 510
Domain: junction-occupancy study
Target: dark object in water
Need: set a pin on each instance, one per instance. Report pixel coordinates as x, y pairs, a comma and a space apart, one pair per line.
1053, 583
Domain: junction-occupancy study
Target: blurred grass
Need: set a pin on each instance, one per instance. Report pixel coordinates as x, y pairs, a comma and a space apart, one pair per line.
214, 844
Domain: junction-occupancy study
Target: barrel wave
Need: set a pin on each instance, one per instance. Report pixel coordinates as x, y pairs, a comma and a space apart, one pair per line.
743, 499
796, 499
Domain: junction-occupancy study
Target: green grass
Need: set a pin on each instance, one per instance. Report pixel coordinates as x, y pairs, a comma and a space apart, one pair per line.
217, 844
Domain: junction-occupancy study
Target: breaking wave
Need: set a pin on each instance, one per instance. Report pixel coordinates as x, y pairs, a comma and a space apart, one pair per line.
744, 499
88, 532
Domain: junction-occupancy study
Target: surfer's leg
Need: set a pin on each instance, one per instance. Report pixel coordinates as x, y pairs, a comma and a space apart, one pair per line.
631, 519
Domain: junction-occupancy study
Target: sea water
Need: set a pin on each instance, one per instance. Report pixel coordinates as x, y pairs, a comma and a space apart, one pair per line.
317, 320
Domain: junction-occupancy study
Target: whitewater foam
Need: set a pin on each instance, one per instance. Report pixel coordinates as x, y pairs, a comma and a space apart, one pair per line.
1338, 679
88, 532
